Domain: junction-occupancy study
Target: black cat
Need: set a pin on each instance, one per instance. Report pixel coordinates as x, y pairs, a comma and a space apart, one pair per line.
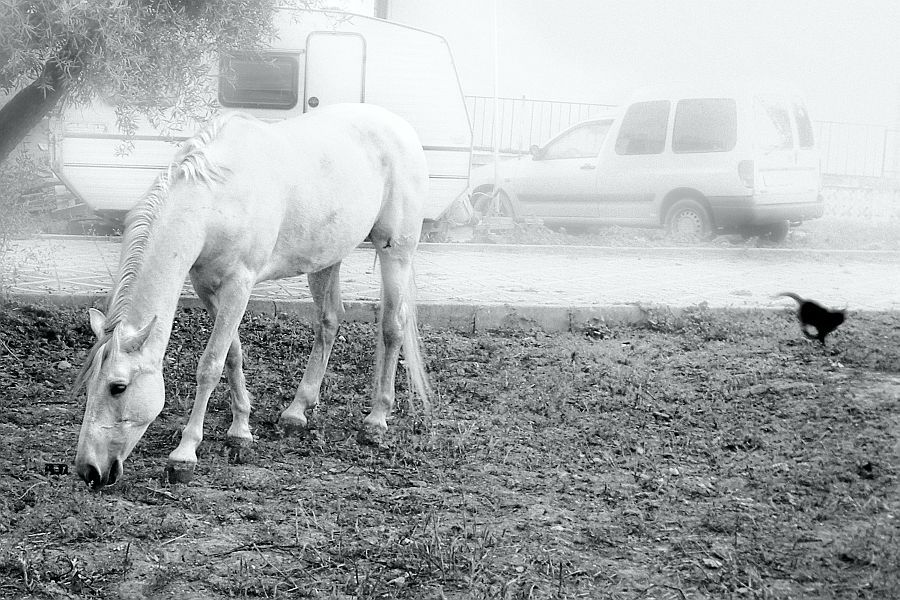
814, 315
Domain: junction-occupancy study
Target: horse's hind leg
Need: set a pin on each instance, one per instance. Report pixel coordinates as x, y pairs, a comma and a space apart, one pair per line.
238, 439
326, 292
220, 346
396, 273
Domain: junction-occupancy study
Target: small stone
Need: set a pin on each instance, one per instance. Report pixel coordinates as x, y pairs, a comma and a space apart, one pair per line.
63, 365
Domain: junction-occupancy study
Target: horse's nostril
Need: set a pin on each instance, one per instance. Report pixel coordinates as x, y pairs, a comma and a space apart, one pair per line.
115, 470
91, 476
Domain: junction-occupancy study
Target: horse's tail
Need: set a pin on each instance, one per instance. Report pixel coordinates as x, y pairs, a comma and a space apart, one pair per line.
410, 343
413, 356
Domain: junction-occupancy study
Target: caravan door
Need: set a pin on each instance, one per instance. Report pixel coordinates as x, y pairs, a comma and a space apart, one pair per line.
335, 69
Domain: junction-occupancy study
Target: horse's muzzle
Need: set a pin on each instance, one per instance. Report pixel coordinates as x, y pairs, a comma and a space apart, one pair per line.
95, 478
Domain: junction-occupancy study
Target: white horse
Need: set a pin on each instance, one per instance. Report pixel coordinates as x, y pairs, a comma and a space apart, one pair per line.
242, 202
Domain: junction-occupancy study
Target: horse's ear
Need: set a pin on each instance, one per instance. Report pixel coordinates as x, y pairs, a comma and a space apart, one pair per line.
133, 343
98, 321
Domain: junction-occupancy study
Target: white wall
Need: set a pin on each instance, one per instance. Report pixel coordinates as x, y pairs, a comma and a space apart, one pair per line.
845, 56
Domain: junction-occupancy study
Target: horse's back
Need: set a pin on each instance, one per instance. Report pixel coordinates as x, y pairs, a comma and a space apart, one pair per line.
317, 185
379, 152
387, 142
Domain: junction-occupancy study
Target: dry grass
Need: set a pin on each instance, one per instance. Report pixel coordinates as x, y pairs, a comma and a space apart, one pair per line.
703, 456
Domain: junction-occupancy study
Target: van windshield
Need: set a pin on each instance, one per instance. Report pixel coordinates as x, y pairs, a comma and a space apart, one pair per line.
705, 125
773, 125
581, 142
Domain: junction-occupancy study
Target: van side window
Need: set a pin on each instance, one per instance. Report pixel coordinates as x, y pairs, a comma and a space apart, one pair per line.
805, 137
705, 125
643, 128
773, 125
583, 142
258, 80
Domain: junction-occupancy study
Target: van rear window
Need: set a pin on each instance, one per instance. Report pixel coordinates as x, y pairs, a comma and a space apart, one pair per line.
773, 125
705, 125
258, 80
805, 137
643, 128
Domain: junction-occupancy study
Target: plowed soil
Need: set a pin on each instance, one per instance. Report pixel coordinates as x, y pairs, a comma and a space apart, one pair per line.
699, 456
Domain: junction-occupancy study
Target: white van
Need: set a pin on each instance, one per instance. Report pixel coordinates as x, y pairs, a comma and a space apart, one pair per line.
318, 58
694, 160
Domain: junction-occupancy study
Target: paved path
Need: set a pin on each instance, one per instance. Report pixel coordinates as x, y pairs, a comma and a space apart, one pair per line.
560, 276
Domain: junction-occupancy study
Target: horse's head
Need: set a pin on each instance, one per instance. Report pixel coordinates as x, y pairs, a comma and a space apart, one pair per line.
124, 395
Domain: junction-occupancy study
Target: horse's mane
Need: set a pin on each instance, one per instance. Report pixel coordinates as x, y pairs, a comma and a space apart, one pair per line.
191, 164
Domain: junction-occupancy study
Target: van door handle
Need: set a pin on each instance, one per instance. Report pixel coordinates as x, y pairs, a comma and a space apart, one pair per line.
588, 166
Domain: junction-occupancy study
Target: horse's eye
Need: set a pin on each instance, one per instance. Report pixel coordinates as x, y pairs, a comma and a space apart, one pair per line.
117, 388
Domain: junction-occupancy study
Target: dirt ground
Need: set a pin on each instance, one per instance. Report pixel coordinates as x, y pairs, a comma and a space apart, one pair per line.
829, 233
701, 456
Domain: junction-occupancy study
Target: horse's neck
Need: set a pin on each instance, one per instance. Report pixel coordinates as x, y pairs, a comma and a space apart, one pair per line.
172, 249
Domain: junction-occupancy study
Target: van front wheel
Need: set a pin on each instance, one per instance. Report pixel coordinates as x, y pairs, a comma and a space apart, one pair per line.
486, 205
689, 221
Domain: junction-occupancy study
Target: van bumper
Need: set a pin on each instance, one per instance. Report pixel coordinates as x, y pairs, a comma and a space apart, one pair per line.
735, 212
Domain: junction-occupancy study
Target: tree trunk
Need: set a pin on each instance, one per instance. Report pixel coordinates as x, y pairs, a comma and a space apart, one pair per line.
26, 109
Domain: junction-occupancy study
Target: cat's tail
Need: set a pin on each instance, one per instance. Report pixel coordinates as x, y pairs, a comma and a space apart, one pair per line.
790, 295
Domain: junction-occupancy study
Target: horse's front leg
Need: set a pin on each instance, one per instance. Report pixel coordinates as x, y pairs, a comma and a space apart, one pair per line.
234, 296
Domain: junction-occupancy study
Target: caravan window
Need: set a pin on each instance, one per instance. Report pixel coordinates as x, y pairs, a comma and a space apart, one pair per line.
258, 80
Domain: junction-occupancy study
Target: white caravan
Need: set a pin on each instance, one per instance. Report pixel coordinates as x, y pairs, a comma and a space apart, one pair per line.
318, 58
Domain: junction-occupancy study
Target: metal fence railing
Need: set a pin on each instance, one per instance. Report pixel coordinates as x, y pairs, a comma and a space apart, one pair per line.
847, 149
858, 150
522, 122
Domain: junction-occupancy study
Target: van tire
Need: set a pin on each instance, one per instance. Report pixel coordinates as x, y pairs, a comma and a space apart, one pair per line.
688, 220
777, 232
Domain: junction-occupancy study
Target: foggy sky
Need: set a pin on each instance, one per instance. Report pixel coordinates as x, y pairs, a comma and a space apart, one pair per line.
844, 56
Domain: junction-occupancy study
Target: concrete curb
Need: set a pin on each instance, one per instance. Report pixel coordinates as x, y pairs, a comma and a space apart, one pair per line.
560, 249
460, 317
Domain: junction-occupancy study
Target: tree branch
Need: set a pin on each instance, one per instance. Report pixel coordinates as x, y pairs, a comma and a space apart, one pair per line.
26, 109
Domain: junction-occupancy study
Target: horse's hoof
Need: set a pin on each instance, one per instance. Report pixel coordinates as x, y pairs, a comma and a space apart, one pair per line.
240, 450
180, 472
291, 425
370, 435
